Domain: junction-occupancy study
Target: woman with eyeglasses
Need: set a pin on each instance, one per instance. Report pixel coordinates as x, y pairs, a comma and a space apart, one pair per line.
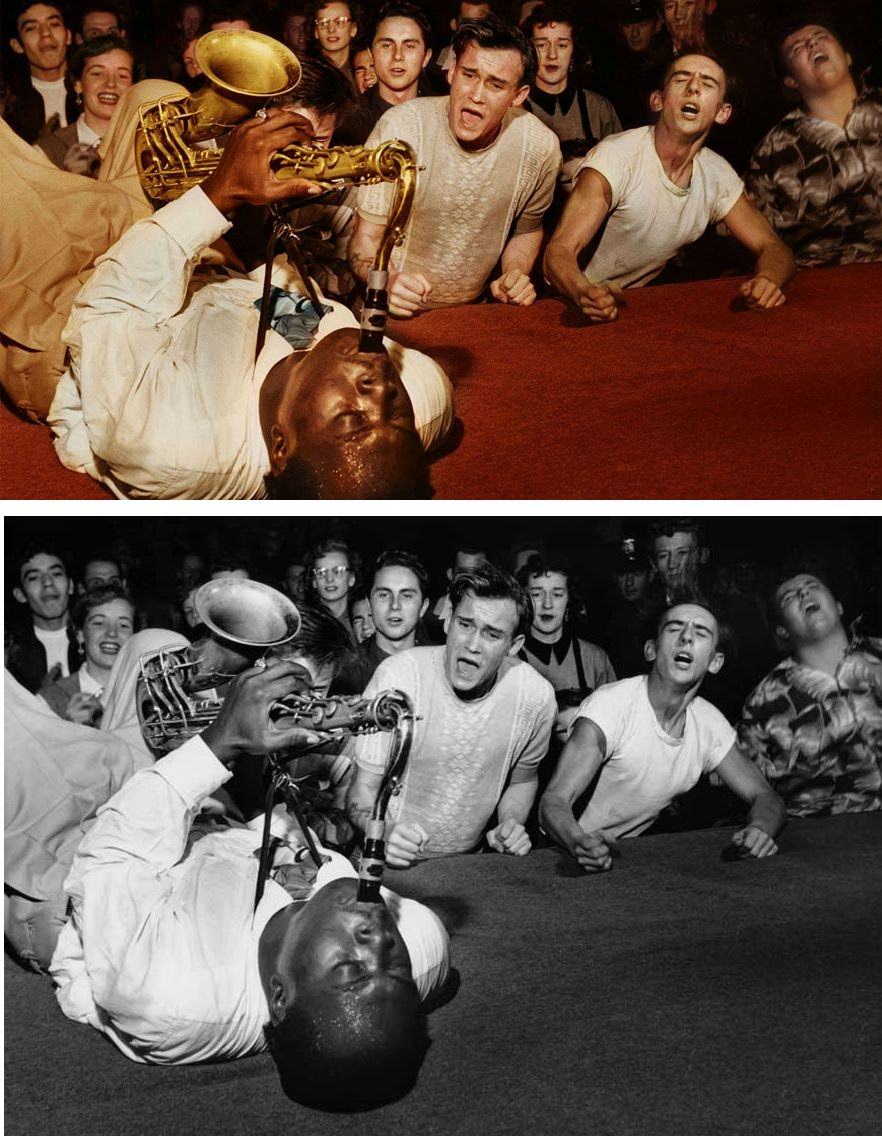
335, 27
332, 570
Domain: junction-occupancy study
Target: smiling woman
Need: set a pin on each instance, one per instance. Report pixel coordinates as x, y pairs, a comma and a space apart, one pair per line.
102, 71
104, 620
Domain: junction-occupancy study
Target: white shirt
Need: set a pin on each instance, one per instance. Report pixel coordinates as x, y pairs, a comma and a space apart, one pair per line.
464, 753
89, 685
55, 644
54, 93
650, 217
160, 952
85, 134
468, 203
161, 399
645, 768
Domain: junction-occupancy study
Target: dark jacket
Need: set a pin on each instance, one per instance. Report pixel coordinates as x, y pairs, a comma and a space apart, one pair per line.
355, 128
25, 109
27, 656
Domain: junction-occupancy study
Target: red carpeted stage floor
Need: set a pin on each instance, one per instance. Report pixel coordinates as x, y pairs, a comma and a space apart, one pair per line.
687, 395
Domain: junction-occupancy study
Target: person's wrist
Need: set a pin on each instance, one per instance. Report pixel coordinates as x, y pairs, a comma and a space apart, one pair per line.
222, 749
220, 197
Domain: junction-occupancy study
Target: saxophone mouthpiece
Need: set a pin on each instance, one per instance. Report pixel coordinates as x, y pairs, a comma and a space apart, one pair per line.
375, 312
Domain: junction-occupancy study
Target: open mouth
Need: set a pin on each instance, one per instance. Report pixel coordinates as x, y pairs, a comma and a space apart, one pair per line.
820, 57
470, 117
109, 648
108, 98
811, 607
466, 668
689, 110
683, 659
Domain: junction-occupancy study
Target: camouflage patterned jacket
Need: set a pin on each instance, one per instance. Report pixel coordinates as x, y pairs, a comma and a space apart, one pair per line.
817, 738
820, 185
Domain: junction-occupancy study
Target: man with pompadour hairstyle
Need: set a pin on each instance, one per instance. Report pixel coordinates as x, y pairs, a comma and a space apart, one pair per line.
490, 173
484, 721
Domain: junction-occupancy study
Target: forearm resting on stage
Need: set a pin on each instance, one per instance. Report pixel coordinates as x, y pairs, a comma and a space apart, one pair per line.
584, 213
509, 834
767, 814
579, 763
775, 265
513, 286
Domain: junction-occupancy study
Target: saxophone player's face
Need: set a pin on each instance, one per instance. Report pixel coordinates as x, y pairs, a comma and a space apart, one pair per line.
323, 125
348, 415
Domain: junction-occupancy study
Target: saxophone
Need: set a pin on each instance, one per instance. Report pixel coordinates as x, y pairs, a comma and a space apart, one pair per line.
175, 146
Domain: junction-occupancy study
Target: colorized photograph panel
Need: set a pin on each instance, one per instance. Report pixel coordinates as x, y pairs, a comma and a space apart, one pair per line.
627, 250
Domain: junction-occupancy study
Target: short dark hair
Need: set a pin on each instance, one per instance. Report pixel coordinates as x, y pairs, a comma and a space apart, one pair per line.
229, 561
495, 33
799, 563
540, 564
28, 551
323, 1066
97, 45
671, 525
323, 88
321, 638
687, 595
791, 20
397, 558
404, 10
553, 12
223, 10
95, 598
490, 582
121, 13
707, 53
22, 6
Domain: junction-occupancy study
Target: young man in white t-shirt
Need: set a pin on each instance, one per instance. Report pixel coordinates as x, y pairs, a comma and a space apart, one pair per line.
648, 739
483, 726
655, 189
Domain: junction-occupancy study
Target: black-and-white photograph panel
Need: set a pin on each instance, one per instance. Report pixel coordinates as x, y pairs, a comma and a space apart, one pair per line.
457, 826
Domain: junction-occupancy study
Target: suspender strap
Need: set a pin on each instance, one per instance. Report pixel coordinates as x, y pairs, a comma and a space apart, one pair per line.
580, 669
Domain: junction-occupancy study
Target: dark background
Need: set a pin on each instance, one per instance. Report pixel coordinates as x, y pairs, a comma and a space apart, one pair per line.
851, 547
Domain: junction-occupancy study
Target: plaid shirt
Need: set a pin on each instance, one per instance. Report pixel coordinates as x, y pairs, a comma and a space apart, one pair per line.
817, 738
820, 185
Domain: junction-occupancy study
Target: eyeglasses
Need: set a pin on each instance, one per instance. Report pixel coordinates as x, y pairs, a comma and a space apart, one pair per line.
330, 573
333, 22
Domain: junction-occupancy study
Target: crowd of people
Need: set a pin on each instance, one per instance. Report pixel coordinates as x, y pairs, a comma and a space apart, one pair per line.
671, 687
578, 151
